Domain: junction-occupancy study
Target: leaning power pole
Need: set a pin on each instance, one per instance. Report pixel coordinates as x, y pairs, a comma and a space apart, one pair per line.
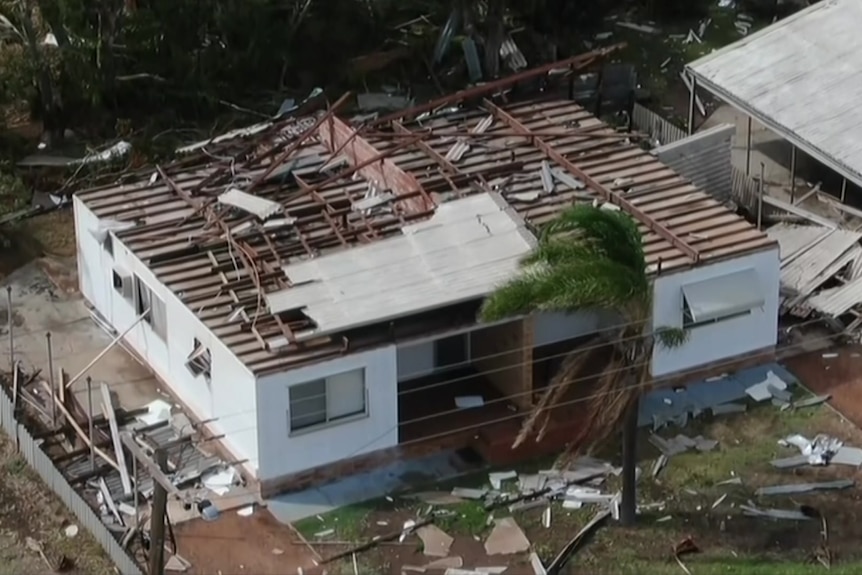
157, 525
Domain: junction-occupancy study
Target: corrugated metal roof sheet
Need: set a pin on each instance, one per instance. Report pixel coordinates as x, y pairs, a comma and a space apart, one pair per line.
805, 266
792, 238
255, 205
800, 78
466, 249
838, 300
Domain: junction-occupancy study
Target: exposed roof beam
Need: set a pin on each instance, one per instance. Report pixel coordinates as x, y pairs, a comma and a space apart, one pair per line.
340, 137
574, 63
606, 193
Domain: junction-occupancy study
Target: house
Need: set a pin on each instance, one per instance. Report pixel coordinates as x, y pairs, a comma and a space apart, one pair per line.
798, 79
313, 287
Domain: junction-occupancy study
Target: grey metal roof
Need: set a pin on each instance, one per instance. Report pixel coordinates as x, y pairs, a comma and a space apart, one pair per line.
467, 248
799, 77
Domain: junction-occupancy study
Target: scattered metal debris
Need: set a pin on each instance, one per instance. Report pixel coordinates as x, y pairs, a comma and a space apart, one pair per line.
572, 546
818, 451
788, 514
796, 488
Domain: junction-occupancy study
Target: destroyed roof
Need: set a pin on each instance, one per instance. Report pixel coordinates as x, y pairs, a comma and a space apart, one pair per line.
344, 190
782, 74
813, 259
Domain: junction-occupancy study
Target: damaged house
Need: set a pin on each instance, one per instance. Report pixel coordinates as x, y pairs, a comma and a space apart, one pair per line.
312, 285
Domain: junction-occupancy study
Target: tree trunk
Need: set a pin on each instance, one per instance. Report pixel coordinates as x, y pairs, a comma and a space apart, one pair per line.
628, 508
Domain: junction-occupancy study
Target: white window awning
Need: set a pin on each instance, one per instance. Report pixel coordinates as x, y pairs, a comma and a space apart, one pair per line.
724, 295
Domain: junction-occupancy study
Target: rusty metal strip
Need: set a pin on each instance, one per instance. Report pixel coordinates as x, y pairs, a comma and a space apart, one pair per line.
355, 168
429, 151
575, 63
606, 193
338, 135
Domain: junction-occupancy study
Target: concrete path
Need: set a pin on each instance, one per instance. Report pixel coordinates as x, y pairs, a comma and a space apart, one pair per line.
39, 306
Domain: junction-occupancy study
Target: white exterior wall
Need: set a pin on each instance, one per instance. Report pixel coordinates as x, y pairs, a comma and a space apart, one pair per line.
229, 396
723, 339
284, 453
551, 328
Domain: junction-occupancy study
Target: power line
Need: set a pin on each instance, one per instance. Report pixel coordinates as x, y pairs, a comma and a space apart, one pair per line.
115, 384
407, 344
568, 381
469, 377
520, 415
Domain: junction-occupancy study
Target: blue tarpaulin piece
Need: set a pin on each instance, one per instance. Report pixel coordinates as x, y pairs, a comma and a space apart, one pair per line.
693, 398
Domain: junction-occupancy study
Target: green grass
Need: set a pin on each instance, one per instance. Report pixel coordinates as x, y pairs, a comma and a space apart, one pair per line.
349, 522
687, 486
728, 566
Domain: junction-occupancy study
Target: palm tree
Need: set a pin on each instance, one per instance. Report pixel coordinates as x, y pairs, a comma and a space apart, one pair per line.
590, 258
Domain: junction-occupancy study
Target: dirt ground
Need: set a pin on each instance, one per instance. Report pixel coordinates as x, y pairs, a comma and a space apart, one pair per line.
29, 509
688, 489
257, 545
837, 373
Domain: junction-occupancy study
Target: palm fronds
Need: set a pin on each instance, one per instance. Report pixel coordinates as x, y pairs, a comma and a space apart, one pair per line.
557, 387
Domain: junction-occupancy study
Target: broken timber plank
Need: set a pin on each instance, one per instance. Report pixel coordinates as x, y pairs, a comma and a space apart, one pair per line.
108, 409
154, 470
81, 433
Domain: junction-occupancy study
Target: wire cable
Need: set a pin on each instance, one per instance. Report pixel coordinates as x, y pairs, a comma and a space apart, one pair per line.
514, 416
655, 381
469, 377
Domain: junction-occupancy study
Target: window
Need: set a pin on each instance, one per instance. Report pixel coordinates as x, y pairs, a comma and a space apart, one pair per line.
145, 300
451, 351
199, 361
122, 283
335, 398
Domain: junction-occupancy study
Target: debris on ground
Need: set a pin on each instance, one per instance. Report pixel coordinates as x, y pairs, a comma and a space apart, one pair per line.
506, 538
577, 541
110, 456
788, 514
819, 451
796, 488
685, 547
682, 443
764, 390
719, 395
435, 541
811, 401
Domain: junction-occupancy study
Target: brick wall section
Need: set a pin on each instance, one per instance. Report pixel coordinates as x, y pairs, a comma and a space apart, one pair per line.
504, 354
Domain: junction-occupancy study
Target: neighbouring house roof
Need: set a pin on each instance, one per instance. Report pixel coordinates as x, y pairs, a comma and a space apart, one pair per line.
389, 205
799, 77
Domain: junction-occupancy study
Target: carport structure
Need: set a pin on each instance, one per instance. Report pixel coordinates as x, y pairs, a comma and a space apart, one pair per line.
800, 78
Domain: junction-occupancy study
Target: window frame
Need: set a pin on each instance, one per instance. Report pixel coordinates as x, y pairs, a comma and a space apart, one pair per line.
157, 316
327, 421
199, 361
